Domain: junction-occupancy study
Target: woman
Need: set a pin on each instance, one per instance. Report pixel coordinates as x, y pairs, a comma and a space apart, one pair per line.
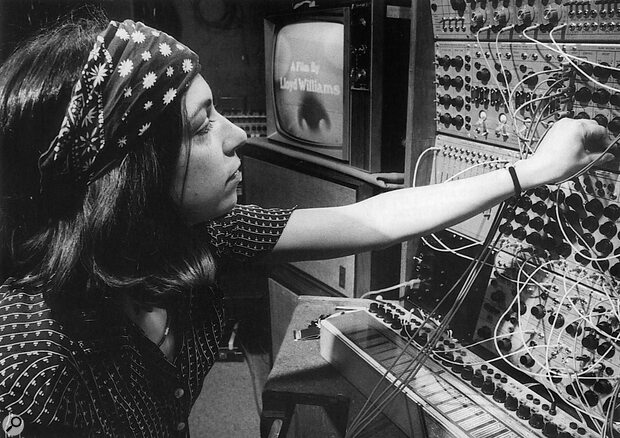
119, 194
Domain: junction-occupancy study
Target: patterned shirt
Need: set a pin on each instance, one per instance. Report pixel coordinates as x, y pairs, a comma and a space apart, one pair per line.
115, 381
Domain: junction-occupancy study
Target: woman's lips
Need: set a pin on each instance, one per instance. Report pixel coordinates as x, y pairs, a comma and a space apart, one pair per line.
235, 176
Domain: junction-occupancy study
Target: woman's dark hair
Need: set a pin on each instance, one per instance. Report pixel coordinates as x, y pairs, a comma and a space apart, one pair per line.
123, 231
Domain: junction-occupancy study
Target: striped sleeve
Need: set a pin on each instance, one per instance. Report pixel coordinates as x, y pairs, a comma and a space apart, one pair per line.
247, 231
38, 381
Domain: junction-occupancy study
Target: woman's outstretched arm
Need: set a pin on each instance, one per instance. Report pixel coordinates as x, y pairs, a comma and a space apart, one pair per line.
391, 217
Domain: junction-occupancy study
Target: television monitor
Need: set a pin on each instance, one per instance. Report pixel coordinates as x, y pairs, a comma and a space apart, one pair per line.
308, 83
336, 81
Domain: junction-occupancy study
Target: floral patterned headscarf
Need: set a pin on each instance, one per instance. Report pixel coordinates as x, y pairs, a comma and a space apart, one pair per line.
132, 74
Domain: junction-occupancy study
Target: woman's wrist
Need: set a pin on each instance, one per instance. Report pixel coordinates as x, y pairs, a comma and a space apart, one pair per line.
529, 175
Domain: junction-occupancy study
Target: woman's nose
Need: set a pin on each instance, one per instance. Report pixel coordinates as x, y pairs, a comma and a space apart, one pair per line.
234, 137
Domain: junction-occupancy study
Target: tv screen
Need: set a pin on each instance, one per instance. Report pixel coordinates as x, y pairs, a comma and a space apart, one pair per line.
308, 82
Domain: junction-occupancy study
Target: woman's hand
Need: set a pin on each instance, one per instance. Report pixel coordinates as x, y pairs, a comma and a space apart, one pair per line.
565, 149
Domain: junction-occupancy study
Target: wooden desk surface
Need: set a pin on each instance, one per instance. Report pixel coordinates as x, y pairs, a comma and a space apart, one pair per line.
300, 376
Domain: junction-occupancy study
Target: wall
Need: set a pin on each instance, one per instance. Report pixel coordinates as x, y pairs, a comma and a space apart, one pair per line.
228, 37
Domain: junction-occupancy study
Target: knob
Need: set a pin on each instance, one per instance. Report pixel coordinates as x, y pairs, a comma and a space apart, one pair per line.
467, 372
582, 115
565, 250
519, 233
539, 208
511, 403
583, 95
483, 75
601, 120
538, 311
601, 97
533, 238
614, 126
556, 319
588, 239
457, 62
478, 379
458, 121
524, 412
542, 192
504, 345
536, 421
537, 223
524, 202
501, 16
612, 211
574, 201
506, 229
604, 326
358, 74
444, 61
530, 79
604, 247
504, 77
573, 329
457, 82
499, 395
550, 430
606, 349
591, 398
551, 15
445, 100
616, 73
615, 99
590, 223
601, 71
590, 341
527, 361
595, 207
587, 379
573, 389
478, 18
498, 296
458, 102
443, 80
445, 118
421, 338
603, 386
524, 16
558, 195
608, 229
587, 68
457, 367
488, 387
458, 5
522, 218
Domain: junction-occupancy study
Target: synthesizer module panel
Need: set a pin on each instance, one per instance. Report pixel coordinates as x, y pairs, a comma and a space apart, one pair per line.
547, 303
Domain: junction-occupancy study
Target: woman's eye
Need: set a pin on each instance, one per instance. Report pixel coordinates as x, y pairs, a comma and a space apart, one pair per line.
206, 128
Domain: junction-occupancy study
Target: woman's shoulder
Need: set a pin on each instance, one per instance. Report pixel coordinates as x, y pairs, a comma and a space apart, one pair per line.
27, 325
35, 353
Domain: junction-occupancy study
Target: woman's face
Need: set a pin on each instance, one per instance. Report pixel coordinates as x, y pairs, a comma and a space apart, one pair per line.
206, 186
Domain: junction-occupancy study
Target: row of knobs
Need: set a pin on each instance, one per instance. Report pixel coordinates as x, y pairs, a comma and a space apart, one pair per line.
599, 97
485, 378
600, 71
591, 341
613, 125
583, 9
489, 387
585, 216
